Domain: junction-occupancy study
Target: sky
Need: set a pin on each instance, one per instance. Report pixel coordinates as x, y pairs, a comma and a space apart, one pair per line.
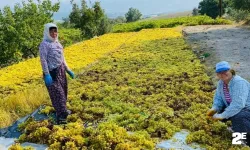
120, 7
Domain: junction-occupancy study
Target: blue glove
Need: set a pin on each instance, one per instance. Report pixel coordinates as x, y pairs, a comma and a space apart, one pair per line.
48, 80
217, 117
72, 75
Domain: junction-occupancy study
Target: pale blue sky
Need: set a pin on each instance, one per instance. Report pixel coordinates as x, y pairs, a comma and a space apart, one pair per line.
147, 7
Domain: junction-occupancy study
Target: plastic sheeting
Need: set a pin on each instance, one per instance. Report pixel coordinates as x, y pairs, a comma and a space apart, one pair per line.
178, 142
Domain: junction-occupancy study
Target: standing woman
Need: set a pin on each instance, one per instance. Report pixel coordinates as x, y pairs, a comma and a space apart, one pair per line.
54, 71
232, 99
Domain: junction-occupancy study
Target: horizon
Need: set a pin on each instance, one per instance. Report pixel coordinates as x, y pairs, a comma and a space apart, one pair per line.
115, 8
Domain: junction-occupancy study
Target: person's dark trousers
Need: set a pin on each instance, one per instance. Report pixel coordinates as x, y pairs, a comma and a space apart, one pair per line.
248, 139
58, 92
241, 123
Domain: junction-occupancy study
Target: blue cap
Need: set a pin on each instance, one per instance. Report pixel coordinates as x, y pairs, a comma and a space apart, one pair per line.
222, 66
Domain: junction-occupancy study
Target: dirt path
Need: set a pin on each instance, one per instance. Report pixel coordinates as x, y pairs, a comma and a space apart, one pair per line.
222, 42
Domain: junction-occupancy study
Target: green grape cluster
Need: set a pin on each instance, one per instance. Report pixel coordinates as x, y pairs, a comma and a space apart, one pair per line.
47, 110
111, 136
143, 91
17, 146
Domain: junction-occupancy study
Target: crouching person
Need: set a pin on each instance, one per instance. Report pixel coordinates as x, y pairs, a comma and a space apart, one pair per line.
232, 99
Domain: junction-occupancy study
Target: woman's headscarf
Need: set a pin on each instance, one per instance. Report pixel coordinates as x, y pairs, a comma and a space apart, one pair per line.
46, 35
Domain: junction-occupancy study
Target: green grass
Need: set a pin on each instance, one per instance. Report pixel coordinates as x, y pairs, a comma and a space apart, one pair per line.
168, 23
170, 15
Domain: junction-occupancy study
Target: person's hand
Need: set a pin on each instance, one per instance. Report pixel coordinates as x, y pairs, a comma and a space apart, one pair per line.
211, 112
71, 74
48, 80
217, 117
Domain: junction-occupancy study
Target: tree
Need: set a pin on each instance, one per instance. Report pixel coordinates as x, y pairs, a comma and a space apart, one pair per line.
91, 20
8, 37
117, 20
75, 15
195, 12
238, 15
209, 7
241, 4
30, 20
212, 7
105, 26
22, 29
133, 14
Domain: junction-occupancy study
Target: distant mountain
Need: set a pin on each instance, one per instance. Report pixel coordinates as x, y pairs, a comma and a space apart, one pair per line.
115, 8
169, 15
60, 15
115, 15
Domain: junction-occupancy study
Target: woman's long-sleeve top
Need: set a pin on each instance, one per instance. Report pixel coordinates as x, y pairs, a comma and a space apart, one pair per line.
51, 56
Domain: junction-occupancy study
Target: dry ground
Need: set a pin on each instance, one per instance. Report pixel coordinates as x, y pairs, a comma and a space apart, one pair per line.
222, 42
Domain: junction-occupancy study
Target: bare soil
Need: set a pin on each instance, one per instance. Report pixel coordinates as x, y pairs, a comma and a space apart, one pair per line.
214, 43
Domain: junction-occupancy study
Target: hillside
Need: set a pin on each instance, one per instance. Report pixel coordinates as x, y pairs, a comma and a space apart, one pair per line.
150, 85
133, 90
170, 15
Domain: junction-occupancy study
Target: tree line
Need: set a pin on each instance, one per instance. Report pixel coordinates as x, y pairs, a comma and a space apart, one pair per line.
237, 9
21, 28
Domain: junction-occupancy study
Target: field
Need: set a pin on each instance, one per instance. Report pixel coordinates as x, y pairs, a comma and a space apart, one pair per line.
132, 90
168, 23
21, 85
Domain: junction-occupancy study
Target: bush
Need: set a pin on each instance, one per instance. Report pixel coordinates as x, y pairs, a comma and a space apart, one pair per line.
69, 36
168, 23
237, 15
21, 29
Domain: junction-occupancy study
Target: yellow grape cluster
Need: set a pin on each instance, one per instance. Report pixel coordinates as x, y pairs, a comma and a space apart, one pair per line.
143, 91
80, 55
18, 146
77, 56
154, 34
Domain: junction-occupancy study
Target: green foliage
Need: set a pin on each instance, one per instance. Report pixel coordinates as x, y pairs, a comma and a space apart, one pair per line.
117, 20
133, 14
209, 7
168, 23
241, 4
237, 15
75, 15
9, 50
22, 29
92, 21
68, 36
